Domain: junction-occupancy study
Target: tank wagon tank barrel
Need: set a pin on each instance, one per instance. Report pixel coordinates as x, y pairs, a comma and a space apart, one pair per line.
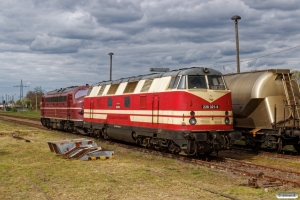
265, 106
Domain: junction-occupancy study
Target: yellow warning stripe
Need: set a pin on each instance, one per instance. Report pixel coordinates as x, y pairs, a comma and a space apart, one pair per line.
100, 158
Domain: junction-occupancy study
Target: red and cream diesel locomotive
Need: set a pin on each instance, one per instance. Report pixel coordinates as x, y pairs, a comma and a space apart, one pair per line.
186, 110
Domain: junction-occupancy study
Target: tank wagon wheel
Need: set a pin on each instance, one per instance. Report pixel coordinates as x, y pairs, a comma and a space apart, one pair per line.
279, 149
256, 146
297, 147
250, 143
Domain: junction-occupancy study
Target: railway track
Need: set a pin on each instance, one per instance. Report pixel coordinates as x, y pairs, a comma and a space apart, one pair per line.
259, 175
287, 155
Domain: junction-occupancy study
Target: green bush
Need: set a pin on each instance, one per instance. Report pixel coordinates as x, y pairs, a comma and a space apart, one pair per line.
14, 109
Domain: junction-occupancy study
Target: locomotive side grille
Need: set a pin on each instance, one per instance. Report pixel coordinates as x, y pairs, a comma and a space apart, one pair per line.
146, 85
113, 89
101, 90
130, 87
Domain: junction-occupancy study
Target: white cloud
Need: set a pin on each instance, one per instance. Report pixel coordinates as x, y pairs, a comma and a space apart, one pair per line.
54, 44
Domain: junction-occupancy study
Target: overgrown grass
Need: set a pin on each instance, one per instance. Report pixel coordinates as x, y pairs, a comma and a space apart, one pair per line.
33, 114
28, 168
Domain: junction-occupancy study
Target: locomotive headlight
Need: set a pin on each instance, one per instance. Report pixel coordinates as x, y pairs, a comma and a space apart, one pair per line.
193, 121
226, 113
227, 120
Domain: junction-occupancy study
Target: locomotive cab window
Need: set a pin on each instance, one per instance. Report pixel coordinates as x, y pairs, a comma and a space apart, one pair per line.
174, 82
182, 83
216, 83
81, 93
196, 82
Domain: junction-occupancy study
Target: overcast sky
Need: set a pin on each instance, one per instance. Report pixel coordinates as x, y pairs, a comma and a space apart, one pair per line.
59, 43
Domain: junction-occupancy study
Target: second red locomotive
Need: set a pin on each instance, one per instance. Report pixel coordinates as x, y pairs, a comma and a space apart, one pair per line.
63, 108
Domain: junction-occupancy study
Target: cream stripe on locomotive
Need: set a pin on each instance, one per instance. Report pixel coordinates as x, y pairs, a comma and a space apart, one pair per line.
160, 112
166, 120
61, 108
176, 120
175, 117
65, 118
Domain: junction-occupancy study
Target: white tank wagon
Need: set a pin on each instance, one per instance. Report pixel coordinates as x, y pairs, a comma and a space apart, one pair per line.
265, 107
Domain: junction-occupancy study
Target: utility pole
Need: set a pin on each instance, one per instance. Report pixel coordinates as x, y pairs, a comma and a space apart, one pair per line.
21, 89
111, 54
235, 18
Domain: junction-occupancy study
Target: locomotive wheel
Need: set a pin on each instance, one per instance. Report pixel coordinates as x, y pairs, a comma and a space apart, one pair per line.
279, 145
172, 148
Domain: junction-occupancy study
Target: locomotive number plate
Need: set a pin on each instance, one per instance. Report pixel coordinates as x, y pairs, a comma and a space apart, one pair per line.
210, 106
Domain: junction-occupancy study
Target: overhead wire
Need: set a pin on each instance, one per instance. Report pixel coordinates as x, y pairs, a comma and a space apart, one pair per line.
258, 57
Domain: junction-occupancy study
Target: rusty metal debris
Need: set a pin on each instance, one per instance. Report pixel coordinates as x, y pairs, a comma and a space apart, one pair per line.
16, 135
258, 182
81, 149
62, 146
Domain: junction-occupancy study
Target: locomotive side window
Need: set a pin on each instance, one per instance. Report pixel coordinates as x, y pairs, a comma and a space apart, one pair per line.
182, 83
130, 87
146, 85
109, 102
127, 102
143, 101
81, 93
216, 83
196, 81
174, 82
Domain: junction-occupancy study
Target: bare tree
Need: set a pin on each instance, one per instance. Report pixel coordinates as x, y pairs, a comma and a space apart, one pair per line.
296, 75
35, 97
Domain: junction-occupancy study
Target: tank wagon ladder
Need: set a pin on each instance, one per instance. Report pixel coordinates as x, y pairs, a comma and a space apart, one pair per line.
289, 93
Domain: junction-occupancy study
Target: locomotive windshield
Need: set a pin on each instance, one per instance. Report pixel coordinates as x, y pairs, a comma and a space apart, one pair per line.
216, 82
196, 81
81, 93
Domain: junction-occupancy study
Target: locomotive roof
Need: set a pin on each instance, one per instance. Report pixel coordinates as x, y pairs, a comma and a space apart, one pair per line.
183, 71
63, 90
